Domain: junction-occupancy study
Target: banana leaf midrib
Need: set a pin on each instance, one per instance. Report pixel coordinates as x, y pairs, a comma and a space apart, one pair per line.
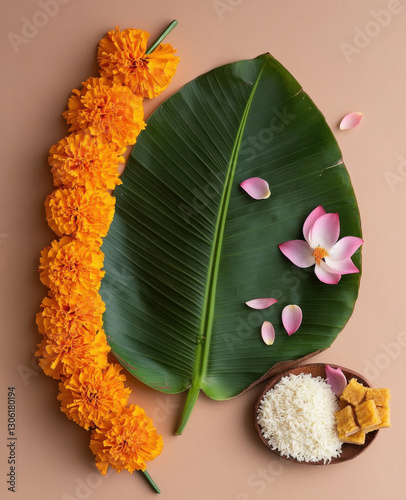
204, 337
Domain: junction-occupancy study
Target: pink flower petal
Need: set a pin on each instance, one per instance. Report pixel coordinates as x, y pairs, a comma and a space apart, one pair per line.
345, 248
268, 333
345, 266
325, 231
261, 303
323, 272
292, 318
298, 251
327, 268
336, 379
256, 187
351, 120
311, 219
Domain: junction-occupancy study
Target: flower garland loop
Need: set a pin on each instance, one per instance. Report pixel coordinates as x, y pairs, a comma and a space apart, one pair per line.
105, 117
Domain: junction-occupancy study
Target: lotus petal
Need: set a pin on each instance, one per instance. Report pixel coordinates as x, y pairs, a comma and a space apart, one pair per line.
298, 251
326, 274
292, 318
311, 219
351, 120
325, 231
345, 247
268, 333
345, 266
336, 379
261, 303
256, 187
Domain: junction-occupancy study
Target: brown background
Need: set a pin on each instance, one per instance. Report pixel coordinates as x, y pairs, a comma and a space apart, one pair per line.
219, 455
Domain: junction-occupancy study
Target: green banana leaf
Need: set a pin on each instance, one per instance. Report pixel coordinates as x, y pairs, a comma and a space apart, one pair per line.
188, 247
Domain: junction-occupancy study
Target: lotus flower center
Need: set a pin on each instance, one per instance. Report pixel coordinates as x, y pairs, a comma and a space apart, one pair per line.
319, 253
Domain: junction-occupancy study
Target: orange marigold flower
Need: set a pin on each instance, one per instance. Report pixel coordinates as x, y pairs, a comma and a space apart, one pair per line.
71, 313
108, 110
86, 215
63, 354
122, 56
126, 440
89, 395
84, 160
71, 266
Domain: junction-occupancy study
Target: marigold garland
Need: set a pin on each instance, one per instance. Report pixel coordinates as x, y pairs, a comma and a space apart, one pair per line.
105, 116
64, 354
109, 111
76, 313
125, 441
91, 394
123, 57
84, 160
84, 214
70, 266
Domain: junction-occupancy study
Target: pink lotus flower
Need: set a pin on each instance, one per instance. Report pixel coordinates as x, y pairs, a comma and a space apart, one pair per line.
332, 258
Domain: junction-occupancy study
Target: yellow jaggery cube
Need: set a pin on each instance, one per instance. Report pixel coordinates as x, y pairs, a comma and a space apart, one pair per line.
380, 396
357, 438
384, 415
354, 392
361, 410
367, 415
342, 403
345, 420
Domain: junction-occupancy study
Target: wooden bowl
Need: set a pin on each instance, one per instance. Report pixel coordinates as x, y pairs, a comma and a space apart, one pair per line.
348, 451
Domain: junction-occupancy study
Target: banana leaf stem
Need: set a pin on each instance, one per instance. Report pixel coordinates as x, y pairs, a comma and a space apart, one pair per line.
165, 33
151, 481
187, 410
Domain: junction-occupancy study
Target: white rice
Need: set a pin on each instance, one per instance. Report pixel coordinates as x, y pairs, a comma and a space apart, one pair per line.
297, 418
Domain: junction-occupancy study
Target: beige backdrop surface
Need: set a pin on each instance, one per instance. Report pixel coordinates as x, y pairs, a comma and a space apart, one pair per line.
349, 56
